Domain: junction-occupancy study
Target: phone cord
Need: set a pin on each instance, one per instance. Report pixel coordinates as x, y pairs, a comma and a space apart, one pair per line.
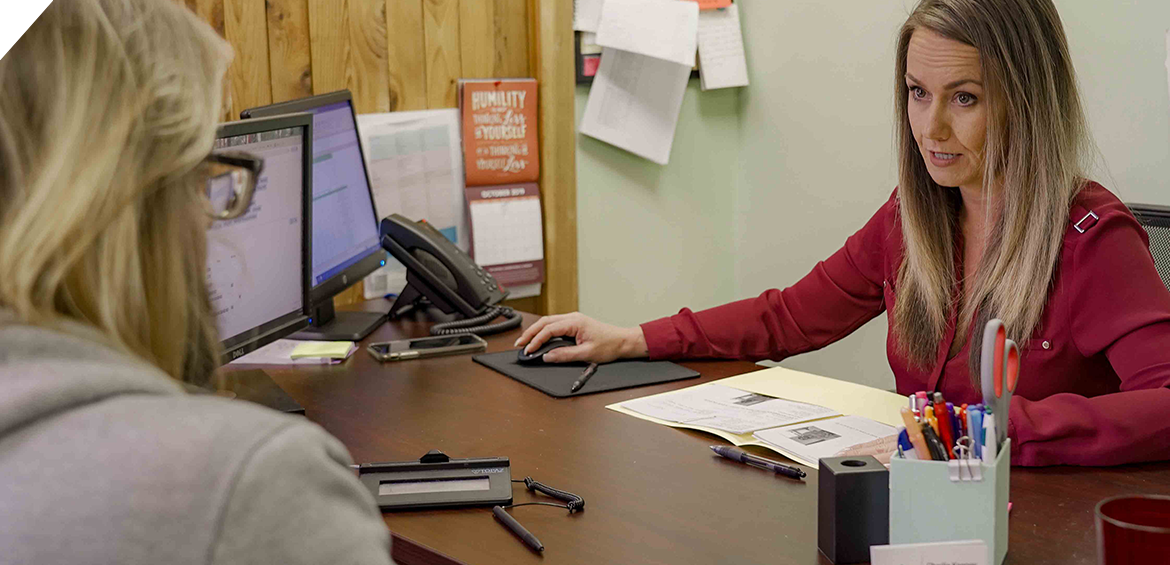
478, 325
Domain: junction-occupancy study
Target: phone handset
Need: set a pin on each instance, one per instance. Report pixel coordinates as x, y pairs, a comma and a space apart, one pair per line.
444, 275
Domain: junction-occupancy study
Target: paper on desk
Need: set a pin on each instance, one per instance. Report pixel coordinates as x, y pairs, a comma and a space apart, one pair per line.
726, 408
634, 103
808, 442
663, 29
586, 14
721, 49
337, 350
279, 352
841, 396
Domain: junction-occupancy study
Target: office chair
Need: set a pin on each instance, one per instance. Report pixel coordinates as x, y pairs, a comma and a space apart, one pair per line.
1156, 221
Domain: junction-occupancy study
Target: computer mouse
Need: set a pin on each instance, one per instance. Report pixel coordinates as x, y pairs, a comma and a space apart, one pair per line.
537, 357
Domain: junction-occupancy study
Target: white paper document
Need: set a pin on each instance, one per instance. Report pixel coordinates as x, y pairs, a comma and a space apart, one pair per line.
721, 58
809, 442
277, 353
415, 161
586, 14
726, 408
1168, 58
663, 29
971, 552
634, 103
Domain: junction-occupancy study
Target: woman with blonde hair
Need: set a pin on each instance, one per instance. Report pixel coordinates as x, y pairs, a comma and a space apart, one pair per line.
108, 111
992, 218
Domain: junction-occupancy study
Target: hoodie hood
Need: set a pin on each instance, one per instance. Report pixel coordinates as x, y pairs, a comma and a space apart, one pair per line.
45, 372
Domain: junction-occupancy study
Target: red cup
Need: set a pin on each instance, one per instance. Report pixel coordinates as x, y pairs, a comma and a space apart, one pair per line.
1133, 529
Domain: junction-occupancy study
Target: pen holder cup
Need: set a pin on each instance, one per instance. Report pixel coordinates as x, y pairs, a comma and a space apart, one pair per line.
926, 505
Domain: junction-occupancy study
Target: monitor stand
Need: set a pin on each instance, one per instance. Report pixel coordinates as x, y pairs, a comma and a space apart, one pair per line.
328, 325
256, 386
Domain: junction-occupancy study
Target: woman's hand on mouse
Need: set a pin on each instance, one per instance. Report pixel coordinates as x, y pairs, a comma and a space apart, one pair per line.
597, 342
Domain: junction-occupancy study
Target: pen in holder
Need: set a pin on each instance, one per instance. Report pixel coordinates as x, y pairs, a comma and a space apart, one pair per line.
935, 501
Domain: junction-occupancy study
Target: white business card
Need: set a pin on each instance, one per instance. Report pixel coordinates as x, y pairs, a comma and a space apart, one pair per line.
969, 552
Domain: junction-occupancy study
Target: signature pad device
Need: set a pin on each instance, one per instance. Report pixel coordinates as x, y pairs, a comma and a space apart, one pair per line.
438, 481
537, 357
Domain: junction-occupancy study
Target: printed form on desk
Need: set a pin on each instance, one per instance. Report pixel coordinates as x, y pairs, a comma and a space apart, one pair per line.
415, 160
634, 103
843, 414
721, 54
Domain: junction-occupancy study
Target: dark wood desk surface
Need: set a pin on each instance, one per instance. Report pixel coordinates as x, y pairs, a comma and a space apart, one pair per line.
653, 494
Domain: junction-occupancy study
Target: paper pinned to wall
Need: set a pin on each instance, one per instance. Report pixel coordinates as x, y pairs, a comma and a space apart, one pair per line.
663, 29
1168, 60
415, 160
634, 103
586, 14
721, 53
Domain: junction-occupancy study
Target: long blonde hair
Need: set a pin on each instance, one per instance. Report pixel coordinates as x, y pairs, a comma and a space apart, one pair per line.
107, 109
1037, 141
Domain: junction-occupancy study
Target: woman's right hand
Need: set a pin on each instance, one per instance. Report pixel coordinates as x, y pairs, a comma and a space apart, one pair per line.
597, 342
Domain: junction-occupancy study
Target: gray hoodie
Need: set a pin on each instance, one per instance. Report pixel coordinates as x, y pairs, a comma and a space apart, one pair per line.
104, 459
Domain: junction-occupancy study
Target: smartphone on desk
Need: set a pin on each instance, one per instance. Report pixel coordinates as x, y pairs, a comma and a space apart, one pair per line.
420, 347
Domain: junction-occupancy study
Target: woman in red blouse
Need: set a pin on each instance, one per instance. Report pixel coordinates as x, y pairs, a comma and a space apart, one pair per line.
992, 217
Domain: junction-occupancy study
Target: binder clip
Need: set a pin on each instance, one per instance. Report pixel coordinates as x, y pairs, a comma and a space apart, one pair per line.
963, 467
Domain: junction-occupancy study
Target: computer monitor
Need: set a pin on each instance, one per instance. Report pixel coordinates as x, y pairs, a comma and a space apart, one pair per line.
258, 263
346, 244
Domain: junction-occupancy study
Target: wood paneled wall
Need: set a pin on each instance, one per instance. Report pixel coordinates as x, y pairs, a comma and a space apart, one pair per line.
407, 55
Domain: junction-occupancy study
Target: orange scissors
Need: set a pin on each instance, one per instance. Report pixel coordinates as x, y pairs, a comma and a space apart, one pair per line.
1000, 369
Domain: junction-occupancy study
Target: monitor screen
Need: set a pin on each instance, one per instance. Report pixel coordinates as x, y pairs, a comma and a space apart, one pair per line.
345, 227
254, 262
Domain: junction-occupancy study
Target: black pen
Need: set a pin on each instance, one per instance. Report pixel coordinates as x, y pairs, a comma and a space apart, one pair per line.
517, 528
580, 382
742, 456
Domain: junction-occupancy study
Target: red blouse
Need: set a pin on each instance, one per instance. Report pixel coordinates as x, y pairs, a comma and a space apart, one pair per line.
1094, 376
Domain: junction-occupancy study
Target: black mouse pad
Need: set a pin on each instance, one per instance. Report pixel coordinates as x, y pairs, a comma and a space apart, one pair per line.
556, 380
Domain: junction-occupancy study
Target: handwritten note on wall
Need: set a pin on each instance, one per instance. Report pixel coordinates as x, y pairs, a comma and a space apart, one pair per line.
721, 57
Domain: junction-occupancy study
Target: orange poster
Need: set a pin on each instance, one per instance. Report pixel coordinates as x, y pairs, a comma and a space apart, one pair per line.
499, 131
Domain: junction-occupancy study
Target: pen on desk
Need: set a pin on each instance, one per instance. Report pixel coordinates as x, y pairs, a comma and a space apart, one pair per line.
584, 378
517, 528
736, 454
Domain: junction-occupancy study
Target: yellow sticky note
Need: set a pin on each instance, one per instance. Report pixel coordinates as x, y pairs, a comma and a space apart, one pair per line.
326, 349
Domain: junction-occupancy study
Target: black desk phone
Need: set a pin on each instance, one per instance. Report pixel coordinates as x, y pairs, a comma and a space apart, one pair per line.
444, 275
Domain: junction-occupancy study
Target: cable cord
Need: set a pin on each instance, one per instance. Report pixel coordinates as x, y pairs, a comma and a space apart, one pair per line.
573, 502
478, 325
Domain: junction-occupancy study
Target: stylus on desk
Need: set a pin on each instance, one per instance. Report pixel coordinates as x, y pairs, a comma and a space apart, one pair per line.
584, 378
517, 528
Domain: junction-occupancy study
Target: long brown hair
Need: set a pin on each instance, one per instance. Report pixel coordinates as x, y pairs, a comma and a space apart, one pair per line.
1037, 141
107, 109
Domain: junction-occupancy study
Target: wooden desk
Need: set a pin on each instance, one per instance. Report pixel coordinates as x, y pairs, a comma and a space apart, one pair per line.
653, 494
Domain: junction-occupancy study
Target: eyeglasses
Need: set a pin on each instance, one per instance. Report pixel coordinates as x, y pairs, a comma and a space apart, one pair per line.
231, 182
